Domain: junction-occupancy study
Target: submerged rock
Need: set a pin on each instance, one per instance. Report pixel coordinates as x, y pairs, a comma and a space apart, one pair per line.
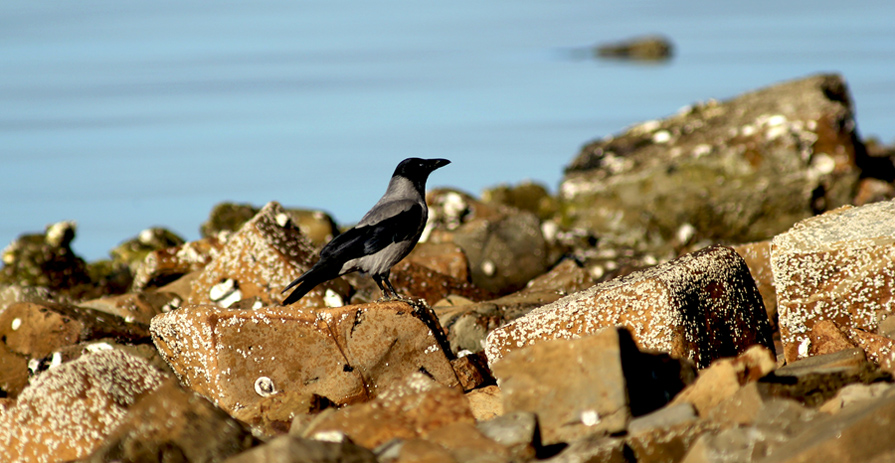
646, 48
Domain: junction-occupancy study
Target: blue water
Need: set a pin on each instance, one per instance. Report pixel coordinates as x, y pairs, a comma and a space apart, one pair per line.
126, 115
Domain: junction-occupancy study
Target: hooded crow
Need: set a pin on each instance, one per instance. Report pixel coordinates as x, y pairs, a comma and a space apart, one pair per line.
384, 236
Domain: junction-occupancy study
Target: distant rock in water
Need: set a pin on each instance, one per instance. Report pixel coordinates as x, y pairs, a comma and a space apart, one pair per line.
644, 48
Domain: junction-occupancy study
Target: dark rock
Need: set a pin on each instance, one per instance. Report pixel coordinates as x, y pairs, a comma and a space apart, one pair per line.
702, 306
226, 217
166, 265
133, 251
237, 358
646, 48
505, 246
856, 435
794, 142
66, 412
526, 196
46, 260
468, 323
172, 424
837, 266
819, 380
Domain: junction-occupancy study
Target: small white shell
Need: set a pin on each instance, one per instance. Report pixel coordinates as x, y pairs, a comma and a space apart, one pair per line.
264, 386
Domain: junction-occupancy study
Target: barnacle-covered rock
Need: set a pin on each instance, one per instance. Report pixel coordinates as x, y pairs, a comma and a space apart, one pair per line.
701, 306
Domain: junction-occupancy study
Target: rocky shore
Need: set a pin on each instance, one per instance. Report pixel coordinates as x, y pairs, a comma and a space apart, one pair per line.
716, 286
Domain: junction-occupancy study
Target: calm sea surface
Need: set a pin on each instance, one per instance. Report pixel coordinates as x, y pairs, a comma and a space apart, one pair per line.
126, 115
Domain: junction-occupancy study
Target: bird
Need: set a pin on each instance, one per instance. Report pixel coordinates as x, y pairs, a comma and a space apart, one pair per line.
384, 236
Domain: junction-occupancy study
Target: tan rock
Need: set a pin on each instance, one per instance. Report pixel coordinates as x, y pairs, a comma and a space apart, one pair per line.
723, 378
31, 332
467, 444
260, 260
445, 258
758, 258
837, 266
293, 449
826, 337
575, 386
67, 412
701, 306
669, 444
485, 403
423, 451
135, 307
347, 354
417, 281
411, 408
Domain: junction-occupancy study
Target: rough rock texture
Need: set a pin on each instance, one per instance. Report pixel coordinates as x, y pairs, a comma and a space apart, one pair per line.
738, 171
576, 387
701, 306
468, 322
133, 251
172, 424
259, 260
66, 412
46, 260
135, 307
163, 266
239, 358
413, 406
505, 246
837, 266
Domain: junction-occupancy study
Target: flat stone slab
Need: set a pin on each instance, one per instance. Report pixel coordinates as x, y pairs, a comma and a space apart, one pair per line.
238, 358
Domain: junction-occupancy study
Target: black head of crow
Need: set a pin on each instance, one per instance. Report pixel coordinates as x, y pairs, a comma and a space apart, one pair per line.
384, 236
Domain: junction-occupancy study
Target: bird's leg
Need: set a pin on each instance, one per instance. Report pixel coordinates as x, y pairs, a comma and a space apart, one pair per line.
397, 296
385, 296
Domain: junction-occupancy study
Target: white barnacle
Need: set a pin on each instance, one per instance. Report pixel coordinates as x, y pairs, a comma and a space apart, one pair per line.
590, 417
264, 386
225, 293
282, 219
662, 136
332, 299
16, 323
488, 267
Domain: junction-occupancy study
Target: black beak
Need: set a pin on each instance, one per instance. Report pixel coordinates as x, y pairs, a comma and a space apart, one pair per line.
437, 163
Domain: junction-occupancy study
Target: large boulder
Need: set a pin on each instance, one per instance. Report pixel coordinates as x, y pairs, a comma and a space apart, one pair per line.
736, 171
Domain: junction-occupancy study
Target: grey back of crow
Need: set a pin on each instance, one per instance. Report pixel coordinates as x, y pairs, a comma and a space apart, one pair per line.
384, 236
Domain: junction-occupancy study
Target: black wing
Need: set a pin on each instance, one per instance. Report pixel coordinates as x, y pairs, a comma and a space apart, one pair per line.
369, 239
